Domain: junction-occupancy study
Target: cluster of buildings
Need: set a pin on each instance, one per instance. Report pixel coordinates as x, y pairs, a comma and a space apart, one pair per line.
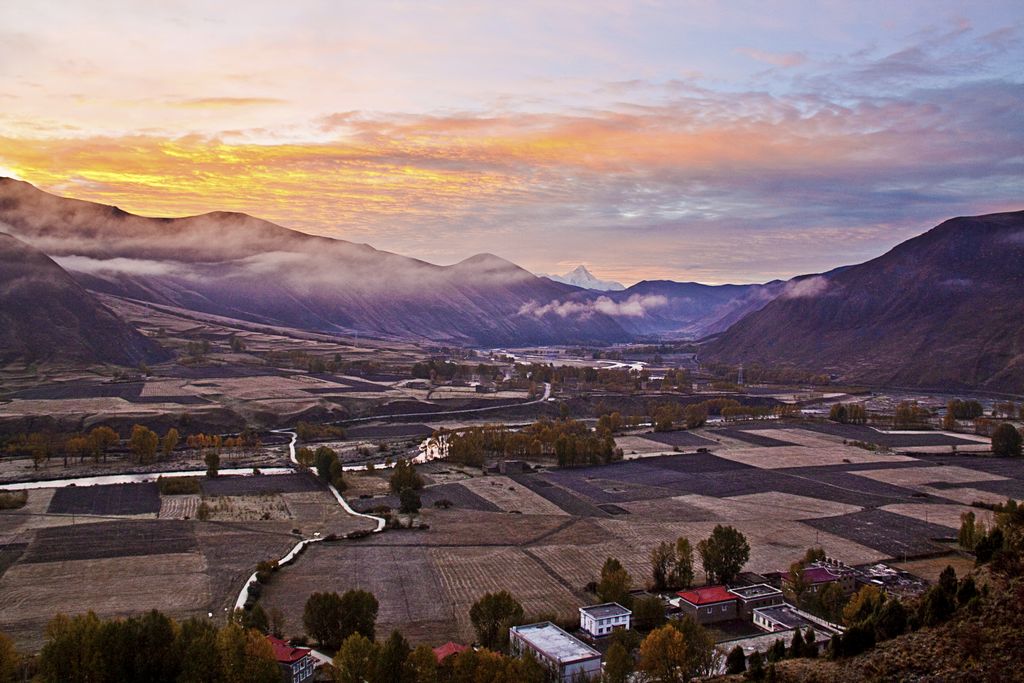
756, 612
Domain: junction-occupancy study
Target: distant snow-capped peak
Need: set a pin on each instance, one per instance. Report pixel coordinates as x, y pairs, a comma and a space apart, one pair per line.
581, 277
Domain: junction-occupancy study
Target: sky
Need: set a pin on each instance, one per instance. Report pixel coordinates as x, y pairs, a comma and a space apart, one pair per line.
707, 141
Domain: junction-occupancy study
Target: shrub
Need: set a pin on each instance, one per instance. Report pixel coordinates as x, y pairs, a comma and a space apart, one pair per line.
203, 512
12, 500
178, 486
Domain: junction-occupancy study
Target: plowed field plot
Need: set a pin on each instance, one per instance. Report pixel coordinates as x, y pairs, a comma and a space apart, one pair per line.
894, 535
31, 594
783, 457
110, 539
233, 550
509, 495
695, 463
568, 502
346, 383
115, 499
1006, 488
404, 581
467, 573
66, 390
1006, 467
277, 483
460, 497
944, 514
753, 439
398, 431
870, 435
9, 554
472, 528
679, 438
179, 507
938, 475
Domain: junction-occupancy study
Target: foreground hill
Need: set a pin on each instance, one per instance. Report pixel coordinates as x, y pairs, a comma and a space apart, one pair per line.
942, 310
46, 316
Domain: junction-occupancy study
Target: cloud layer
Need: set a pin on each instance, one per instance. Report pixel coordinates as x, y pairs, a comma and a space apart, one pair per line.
720, 146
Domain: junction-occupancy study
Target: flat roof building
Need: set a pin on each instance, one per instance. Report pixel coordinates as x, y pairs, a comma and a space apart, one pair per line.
754, 597
568, 657
602, 620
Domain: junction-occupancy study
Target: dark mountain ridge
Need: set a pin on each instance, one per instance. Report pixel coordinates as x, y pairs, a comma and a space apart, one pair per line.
941, 310
46, 316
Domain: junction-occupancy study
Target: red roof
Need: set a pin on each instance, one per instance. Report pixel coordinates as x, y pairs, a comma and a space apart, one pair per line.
285, 653
442, 652
707, 595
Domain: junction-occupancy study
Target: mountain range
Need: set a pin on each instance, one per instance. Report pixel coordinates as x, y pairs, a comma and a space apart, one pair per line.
942, 309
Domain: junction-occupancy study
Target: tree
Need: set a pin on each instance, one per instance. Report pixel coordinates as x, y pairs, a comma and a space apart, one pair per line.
197, 643
863, 604
832, 600
695, 415
682, 573
1006, 440
615, 583
170, 441
736, 662
423, 663
212, 460
322, 619
358, 613
72, 651
102, 439
76, 447
755, 670
143, 443
891, 620
678, 652
967, 591
796, 646
838, 413
648, 613
492, 615
663, 657
972, 531
246, 656
405, 476
10, 661
723, 554
663, 560
935, 607
392, 660
409, 502
618, 665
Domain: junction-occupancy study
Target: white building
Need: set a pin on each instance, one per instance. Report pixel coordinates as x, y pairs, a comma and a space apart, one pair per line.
568, 657
601, 620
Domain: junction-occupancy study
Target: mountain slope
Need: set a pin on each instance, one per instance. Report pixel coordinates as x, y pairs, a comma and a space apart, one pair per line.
942, 310
46, 316
584, 279
243, 267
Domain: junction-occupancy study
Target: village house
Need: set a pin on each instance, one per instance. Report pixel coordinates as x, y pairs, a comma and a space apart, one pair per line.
753, 597
819, 574
296, 662
569, 658
709, 604
443, 652
601, 620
